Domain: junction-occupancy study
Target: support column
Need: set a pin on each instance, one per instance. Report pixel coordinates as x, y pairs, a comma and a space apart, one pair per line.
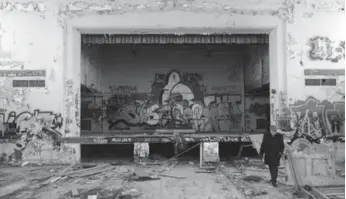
140, 151
209, 152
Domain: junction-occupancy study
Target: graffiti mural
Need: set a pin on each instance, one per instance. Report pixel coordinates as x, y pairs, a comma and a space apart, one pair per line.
177, 100
309, 119
323, 48
26, 121
37, 130
320, 118
313, 120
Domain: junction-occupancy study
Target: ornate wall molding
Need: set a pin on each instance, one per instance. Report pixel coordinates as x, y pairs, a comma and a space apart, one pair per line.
30, 6
283, 9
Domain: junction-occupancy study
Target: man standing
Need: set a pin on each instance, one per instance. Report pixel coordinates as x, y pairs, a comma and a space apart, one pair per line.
272, 148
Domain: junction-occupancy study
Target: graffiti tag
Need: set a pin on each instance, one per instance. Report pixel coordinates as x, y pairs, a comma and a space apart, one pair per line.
125, 90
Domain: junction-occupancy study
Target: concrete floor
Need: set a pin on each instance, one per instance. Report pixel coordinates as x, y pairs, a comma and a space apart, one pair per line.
193, 186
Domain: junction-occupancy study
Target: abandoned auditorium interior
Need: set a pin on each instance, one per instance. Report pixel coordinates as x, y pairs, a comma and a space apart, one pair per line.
90, 90
187, 88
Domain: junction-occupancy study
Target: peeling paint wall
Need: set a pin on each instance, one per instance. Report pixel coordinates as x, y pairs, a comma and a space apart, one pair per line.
257, 67
32, 38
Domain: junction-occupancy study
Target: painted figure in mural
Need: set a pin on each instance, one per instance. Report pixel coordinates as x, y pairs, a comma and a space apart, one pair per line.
272, 149
213, 113
335, 124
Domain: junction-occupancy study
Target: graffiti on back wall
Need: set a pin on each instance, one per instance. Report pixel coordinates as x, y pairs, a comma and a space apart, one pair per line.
177, 100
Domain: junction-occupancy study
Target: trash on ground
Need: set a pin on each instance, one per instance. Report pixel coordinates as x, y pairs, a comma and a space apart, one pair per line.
253, 178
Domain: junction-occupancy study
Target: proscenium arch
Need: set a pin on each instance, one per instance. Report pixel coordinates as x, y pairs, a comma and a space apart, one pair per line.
164, 23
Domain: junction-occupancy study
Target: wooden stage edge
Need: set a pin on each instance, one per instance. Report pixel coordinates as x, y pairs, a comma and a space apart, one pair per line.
157, 138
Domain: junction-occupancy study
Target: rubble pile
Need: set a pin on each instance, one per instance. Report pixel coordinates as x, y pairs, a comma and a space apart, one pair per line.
156, 177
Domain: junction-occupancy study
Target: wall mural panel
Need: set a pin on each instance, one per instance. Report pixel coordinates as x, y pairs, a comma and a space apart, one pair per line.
39, 136
38, 133
320, 118
313, 120
177, 100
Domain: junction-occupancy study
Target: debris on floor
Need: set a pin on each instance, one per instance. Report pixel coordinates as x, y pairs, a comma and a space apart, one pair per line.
253, 178
245, 189
169, 179
141, 175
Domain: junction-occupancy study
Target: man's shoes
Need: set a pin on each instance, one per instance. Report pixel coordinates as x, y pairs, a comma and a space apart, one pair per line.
274, 184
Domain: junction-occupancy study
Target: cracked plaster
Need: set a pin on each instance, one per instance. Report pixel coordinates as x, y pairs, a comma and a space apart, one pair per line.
283, 9
23, 6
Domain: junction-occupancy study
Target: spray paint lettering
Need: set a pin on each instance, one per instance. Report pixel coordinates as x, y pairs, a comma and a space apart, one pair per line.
36, 129
124, 90
23, 122
225, 89
320, 118
177, 101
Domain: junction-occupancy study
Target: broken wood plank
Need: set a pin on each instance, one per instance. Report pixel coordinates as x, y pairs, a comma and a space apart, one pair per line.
9, 189
82, 171
171, 176
235, 183
144, 178
92, 172
117, 194
205, 171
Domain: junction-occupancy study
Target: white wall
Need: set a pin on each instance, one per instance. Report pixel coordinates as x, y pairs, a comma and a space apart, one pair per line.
33, 35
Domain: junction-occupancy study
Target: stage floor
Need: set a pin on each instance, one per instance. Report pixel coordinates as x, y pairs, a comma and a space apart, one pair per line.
108, 138
125, 138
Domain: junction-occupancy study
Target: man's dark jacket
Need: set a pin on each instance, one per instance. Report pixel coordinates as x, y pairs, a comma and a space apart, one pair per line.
272, 148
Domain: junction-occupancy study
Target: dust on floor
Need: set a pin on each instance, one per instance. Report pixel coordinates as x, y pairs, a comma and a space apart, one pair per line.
148, 180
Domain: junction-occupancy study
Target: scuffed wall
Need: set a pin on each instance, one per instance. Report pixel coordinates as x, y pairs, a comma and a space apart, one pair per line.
31, 38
